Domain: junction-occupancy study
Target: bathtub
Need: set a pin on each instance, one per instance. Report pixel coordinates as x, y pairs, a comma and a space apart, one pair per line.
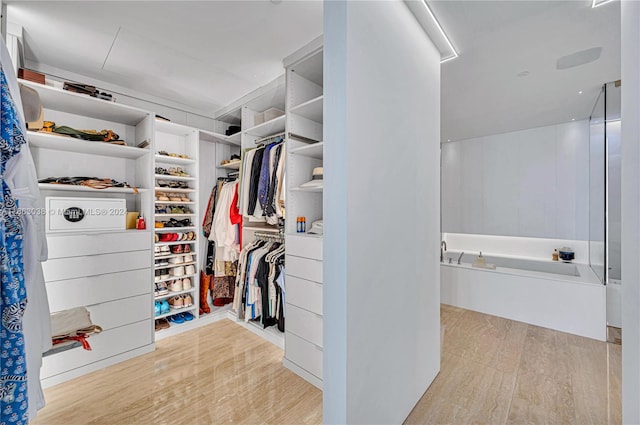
563, 296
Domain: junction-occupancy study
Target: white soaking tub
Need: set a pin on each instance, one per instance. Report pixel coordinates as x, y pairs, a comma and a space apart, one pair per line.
563, 296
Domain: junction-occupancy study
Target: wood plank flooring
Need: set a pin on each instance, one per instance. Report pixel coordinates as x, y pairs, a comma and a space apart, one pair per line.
494, 371
498, 371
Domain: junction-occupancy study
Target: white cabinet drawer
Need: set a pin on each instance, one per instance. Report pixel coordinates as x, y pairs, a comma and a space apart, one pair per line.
104, 345
66, 294
304, 354
85, 214
304, 293
304, 268
71, 268
121, 312
304, 324
304, 246
63, 246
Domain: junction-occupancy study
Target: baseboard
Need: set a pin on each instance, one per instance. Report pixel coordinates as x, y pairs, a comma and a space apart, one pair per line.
93, 367
194, 324
312, 379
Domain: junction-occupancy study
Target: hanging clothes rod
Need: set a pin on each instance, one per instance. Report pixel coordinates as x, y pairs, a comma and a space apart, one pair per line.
270, 138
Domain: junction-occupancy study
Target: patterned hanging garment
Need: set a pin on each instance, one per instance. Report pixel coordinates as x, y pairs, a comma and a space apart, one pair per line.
13, 295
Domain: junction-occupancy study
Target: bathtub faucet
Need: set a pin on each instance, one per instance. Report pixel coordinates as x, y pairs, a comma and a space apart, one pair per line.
460, 257
443, 244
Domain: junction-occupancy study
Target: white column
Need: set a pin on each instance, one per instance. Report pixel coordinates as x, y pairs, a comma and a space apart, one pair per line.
630, 212
381, 212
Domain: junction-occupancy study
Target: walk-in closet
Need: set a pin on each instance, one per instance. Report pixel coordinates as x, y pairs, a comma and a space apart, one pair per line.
178, 188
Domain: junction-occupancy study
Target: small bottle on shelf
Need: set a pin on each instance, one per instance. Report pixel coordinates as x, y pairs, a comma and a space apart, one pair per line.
554, 256
304, 224
140, 223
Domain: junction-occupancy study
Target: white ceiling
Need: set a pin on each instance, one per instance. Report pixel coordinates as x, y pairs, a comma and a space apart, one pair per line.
481, 93
202, 54
207, 54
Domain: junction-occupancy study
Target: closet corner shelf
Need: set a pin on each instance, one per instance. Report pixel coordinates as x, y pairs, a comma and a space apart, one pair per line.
311, 109
308, 189
268, 128
173, 160
176, 178
73, 188
231, 166
69, 144
81, 104
315, 150
210, 136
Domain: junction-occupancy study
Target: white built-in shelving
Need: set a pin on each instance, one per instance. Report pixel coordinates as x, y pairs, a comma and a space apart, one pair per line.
69, 144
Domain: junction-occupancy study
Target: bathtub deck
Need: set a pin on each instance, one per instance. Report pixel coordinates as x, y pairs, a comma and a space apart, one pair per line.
497, 371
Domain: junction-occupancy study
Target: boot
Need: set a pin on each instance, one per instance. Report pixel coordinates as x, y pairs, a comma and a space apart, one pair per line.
205, 280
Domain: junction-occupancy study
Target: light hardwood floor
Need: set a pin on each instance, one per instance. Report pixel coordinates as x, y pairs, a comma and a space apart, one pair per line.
494, 371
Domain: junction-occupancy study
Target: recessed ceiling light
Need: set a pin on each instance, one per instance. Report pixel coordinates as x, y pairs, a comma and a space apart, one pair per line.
448, 140
573, 119
522, 74
580, 92
598, 3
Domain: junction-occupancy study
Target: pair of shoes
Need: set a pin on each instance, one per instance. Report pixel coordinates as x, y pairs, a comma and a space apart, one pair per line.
180, 271
158, 225
180, 210
181, 249
162, 263
180, 285
162, 324
161, 307
171, 197
161, 289
188, 258
161, 250
177, 223
181, 301
173, 184
163, 171
161, 274
178, 172
181, 318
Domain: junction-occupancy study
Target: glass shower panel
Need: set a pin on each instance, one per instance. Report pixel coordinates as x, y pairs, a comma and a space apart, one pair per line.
597, 188
614, 183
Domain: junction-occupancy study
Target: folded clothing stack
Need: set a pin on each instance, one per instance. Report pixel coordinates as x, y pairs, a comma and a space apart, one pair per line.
69, 327
92, 182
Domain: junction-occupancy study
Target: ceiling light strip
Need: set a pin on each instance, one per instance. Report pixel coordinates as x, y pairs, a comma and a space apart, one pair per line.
433, 17
598, 3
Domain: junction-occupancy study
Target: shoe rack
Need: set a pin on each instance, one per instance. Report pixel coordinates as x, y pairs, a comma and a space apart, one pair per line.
175, 224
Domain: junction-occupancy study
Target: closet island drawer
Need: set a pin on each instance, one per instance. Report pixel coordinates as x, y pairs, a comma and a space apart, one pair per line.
304, 293
304, 268
71, 268
304, 324
66, 294
304, 354
104, 345
97, 243
118, 313
307, 246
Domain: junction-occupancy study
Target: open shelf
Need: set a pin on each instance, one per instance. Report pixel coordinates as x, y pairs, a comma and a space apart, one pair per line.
172, 266
236, 138
268, 128
173, 229
315, 150
164, 159
210, 136
174, 203
73, 188
175, 215
176, 178
85, 105
163, 257
231, 166
173, 128
70, 144
173, 294
176, 277
177, 311
304, 234
173, 190
311, 109
176, 243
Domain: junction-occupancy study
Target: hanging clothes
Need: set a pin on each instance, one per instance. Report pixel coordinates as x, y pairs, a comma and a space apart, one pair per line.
13, 292
258, 295
262, 190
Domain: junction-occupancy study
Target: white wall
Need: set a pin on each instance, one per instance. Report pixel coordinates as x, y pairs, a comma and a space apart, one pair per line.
630, 212
530, 183
381, 259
